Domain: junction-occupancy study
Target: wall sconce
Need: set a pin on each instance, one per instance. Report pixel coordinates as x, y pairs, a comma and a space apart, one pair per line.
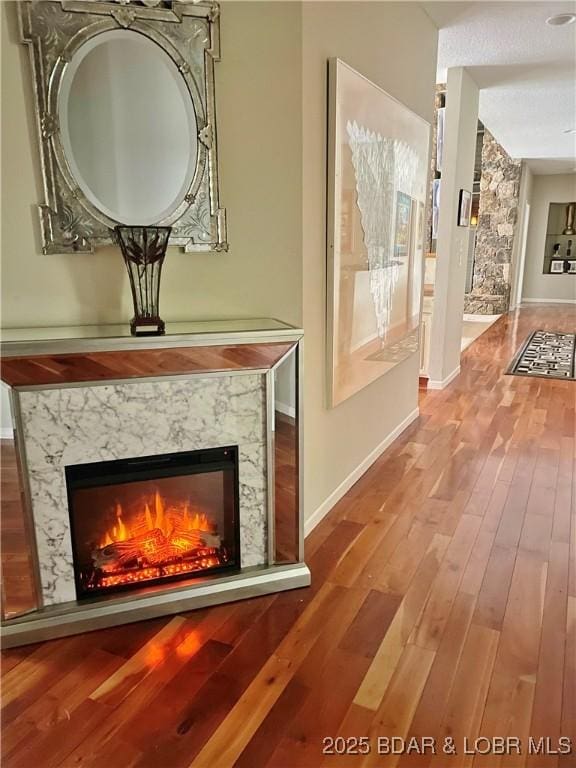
474, 221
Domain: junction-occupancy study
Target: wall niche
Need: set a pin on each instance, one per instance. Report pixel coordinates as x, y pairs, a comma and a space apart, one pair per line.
560, 244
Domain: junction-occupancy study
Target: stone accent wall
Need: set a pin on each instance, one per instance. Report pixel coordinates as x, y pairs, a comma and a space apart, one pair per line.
498, 214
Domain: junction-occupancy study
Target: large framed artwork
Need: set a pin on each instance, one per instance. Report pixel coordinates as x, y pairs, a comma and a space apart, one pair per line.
377, 177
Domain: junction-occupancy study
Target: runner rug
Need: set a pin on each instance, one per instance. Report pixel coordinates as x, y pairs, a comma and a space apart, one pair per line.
546, 353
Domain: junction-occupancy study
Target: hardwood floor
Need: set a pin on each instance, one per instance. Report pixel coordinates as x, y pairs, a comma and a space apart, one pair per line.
443, 604
18, 586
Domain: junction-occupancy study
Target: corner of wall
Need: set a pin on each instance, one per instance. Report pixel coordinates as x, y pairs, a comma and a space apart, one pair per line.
518, 259
461, 120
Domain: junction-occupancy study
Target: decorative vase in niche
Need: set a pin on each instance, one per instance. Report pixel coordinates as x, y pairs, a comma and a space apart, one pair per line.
570, 216
144, 249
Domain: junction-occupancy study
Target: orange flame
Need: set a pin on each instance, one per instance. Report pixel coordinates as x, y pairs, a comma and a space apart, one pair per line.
155, 513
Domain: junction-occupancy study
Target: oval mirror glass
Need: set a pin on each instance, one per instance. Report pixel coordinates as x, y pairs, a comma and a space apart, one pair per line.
128, 127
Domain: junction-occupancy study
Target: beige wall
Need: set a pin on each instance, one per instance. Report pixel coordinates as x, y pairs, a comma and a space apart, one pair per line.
393, 44
259, 125
560, 188
272, 161
460, 128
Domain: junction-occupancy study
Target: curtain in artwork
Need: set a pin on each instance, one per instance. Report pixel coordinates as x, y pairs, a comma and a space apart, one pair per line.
383, 167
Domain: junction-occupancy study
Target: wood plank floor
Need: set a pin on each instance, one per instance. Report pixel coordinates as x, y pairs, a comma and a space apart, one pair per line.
443, 604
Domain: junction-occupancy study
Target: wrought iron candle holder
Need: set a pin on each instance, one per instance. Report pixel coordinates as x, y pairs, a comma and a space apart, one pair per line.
144, 249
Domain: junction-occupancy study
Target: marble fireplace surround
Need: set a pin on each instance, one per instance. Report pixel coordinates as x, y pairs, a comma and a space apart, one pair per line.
64, 417
86, 424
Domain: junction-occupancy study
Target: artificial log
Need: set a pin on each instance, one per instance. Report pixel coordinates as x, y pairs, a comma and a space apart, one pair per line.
153, 548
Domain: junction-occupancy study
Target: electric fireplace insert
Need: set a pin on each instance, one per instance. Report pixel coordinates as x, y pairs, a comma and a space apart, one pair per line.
137, 522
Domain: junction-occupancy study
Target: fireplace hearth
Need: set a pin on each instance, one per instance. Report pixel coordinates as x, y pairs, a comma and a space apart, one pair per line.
153, 519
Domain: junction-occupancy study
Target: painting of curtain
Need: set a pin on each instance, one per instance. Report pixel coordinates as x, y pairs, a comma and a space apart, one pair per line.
377, 175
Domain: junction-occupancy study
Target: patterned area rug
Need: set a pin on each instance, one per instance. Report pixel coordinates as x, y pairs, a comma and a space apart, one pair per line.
548, 354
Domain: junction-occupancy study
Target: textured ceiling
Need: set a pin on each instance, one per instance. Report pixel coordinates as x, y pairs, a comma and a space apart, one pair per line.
526, 71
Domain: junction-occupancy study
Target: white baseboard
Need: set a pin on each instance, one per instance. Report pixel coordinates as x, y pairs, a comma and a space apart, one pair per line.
287, 410
437, 384
6, 433
548, 301
357, 473
480, 318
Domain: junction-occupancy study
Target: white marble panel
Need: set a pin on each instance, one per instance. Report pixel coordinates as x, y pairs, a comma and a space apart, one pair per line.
84, 424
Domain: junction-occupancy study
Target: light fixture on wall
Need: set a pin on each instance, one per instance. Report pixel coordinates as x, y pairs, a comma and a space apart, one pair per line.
569, 130
561, 19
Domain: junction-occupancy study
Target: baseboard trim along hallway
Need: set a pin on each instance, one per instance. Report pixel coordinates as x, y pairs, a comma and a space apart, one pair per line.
441, 384
548, 301
357, 473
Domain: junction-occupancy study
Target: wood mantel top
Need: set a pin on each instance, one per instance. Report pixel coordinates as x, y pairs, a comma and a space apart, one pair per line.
60, 369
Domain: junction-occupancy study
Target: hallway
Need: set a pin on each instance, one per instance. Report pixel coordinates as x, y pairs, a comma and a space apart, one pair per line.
443, 603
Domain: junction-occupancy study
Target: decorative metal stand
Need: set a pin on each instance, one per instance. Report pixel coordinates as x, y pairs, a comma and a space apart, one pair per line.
144, 249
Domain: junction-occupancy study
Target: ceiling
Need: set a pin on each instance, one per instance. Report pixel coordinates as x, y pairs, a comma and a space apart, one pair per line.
526, 71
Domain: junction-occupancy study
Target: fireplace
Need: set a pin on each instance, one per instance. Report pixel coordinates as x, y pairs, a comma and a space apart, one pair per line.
138, 522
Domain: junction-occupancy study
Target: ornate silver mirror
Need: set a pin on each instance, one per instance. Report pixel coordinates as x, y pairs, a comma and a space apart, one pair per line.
126, 119
128, 127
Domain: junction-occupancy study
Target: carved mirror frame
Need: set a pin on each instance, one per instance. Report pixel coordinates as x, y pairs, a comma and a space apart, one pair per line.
189, 33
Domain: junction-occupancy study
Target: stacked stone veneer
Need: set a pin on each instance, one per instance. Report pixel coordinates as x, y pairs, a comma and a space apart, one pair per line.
498, 214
